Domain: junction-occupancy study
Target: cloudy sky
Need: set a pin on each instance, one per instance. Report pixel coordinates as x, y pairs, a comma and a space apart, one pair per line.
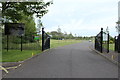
82, 17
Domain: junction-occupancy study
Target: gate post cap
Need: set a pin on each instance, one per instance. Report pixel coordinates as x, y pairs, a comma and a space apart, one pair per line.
101, 28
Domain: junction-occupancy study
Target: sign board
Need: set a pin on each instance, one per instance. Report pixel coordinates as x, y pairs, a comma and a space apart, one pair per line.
36, 38
15, 29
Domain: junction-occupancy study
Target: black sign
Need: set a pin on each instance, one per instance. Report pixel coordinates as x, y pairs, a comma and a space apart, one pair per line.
16, 29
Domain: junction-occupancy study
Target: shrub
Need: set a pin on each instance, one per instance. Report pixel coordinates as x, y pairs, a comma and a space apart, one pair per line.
111, 42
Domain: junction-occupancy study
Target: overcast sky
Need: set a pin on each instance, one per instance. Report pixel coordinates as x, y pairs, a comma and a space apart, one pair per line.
82, 17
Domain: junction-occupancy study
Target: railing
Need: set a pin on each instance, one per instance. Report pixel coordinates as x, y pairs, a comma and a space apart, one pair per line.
45, 40
14, 38
117, 43
98, 41
20, 43
102, 41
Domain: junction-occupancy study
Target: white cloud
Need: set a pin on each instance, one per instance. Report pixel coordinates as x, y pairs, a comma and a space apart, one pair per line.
84, 17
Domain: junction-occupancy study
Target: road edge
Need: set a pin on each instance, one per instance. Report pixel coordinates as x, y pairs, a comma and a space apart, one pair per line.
113, 61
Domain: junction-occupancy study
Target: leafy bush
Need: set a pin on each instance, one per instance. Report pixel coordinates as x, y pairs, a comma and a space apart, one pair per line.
111, 42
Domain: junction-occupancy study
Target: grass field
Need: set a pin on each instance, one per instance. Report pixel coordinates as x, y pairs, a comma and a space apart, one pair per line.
111, 47
58, 43
17, 55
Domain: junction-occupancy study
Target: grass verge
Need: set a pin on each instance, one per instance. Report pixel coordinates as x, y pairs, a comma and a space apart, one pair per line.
112, 47
17, 55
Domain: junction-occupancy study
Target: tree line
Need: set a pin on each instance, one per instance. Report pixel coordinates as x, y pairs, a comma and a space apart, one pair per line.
59, 35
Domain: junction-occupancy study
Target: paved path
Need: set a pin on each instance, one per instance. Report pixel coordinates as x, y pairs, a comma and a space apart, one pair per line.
71, 61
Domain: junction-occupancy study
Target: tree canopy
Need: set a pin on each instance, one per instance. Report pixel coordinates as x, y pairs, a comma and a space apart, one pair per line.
12, 11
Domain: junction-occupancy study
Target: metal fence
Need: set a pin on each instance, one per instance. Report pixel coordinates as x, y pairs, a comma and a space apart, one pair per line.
20, 43
117, 43
45, 40
105, 43
102, 41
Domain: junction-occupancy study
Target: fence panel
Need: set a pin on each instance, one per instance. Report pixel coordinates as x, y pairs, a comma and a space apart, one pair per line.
117, 43
105, 42
14, 43
98, 44
102, 41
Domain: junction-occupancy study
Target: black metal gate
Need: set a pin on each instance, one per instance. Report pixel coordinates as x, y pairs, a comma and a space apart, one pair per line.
98, 41
102, 41
45, 40
117, 43
105, 43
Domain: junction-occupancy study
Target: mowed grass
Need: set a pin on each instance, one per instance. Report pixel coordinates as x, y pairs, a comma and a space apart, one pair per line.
58, 43
112, 47
17, 55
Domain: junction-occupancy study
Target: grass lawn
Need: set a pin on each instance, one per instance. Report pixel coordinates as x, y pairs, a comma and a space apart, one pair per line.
111, 47
17, 55
58, 43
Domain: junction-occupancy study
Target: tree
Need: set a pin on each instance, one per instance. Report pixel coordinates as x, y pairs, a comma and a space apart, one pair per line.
65, 35
29, 25
13, 11
118, 27
59, 30
70, 36
54, 34
60, 34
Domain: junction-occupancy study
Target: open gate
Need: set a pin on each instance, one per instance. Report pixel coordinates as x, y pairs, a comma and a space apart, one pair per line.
45, 40
98, 41
102, 41
117, 43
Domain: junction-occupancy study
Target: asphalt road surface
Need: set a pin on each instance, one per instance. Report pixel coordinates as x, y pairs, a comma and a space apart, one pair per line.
71, 61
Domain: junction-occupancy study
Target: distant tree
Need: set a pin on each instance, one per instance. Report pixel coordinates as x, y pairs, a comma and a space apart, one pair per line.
118, 27
59, 30
54, 34
70, 36
65, 35
60, 34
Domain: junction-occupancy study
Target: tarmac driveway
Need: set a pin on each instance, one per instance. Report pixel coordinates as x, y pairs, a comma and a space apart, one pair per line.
71, 61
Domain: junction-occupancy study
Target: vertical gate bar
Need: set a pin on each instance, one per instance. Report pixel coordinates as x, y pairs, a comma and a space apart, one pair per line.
7, 42
95, 42
21, 43
115, 43
49, 42
118, 43
108, 43
42, 39
101, 40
